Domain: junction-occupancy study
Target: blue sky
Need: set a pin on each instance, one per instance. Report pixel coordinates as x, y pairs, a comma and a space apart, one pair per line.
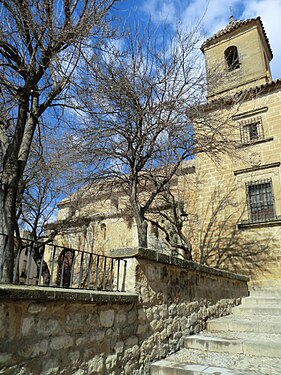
212, 16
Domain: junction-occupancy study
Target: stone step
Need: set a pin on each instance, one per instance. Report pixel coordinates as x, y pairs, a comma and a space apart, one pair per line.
225, 364
269, 309
165, 367
248, 342
255, 347
241, 323
261, 300
244, 336
266, 292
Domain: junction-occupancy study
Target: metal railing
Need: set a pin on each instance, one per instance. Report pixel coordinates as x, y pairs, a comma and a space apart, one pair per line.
46, 264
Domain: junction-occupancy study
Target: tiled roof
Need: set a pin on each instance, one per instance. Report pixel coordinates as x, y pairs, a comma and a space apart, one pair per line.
233, 25
275, 84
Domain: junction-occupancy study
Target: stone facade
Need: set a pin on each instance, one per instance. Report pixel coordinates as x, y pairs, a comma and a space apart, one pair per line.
240, 207
52, 331
100, 219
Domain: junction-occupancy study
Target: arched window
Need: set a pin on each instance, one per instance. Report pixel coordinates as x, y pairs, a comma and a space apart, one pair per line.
103, 230
232, 58
154, 229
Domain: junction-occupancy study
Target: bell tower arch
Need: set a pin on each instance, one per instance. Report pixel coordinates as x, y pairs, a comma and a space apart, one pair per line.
237, 58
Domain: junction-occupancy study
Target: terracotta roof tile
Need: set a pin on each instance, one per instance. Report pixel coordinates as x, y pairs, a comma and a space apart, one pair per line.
233, 25
260, 88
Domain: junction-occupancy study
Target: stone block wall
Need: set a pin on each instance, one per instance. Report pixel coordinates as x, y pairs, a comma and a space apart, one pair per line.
222, 209
60, 337
52, 331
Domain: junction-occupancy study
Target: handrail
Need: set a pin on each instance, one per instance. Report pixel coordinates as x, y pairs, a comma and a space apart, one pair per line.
47, 264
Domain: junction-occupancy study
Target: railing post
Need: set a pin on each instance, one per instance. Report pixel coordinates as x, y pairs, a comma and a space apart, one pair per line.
62, 268
29, 259
41, 265
72, 268
104, 274
97, 271
111, 275
118, 274
124, 276
4, 240
81, 270
53, 265
89, 270
16, 268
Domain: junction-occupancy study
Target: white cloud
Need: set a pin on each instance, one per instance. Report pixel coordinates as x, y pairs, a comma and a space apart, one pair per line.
213, 15
161, 11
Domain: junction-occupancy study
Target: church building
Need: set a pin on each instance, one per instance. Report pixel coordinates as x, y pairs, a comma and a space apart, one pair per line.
235, 205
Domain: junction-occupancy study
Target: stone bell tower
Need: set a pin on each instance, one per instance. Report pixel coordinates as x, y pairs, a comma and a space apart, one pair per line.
237, 58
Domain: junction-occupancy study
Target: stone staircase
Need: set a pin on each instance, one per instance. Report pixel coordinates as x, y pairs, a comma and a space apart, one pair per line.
248, 342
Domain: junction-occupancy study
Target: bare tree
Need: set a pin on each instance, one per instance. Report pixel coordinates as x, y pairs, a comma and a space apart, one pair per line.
169, 216
40, 46
39, 190
141, 101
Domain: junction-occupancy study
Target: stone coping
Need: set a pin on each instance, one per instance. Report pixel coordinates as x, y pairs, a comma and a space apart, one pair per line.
31, 292
270, 223
152, 255
257, 168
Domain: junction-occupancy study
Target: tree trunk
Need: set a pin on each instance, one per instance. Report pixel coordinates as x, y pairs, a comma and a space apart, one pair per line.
138, 215
141, 225
13, 164
8, 196
142, 233
7, 220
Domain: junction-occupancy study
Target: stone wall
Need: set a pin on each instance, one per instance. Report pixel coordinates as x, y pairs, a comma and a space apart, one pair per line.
52, 331
228, 235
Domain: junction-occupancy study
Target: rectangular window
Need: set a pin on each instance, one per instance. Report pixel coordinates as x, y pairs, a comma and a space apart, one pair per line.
260, 200
251, 130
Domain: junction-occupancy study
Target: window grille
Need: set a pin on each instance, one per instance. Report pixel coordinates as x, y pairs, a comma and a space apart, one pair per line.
251, 130
260, 200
